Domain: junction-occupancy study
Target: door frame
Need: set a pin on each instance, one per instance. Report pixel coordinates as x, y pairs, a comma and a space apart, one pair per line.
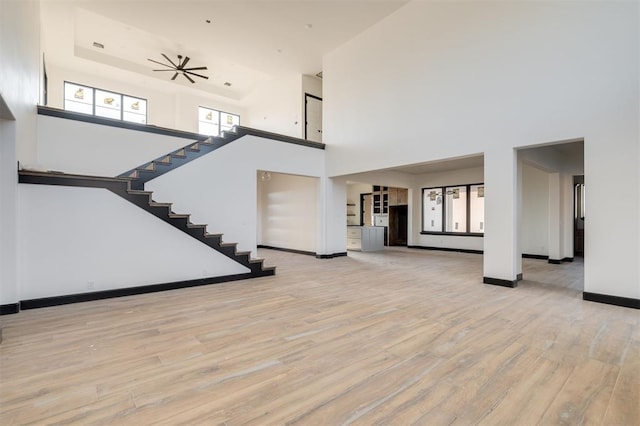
306, 122
362, 197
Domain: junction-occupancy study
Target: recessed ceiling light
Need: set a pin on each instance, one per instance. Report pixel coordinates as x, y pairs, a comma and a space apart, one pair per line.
98, 45
308, 26
279, 50
208, 21
226, 83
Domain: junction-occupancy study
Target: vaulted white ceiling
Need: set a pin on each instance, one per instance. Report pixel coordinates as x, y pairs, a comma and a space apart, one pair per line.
244, 42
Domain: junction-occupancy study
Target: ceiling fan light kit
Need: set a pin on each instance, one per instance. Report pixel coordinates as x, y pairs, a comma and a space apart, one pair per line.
179, 68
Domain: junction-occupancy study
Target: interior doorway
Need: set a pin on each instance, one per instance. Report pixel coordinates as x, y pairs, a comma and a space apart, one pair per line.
398, 219
366, 209
312, 118
578, 215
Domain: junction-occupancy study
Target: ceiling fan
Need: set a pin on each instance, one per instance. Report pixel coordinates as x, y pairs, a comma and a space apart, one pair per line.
180, 68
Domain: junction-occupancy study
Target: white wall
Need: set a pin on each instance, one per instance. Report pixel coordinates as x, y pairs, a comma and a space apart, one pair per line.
274, 106
19, 91
535, 211
220, 189
171, 107
8, 213
311, 85
85, 148
78, 240
490, 77
288, 212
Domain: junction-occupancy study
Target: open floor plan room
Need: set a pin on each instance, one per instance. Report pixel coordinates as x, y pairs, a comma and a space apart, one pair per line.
401, 336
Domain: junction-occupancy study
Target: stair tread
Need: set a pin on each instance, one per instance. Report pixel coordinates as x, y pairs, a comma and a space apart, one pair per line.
196, 225
156, 204
212, 235
179, 215
139, 192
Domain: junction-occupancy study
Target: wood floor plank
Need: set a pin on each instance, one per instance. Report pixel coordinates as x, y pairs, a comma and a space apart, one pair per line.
585, 396
624, 407
388, 338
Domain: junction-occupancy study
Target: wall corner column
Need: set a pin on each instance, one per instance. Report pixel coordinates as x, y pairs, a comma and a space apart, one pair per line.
332, 224
502, 256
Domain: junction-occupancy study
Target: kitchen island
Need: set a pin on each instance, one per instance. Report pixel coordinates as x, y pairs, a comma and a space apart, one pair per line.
365, 238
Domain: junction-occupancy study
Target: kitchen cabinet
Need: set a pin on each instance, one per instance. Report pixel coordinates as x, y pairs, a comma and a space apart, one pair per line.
365, 238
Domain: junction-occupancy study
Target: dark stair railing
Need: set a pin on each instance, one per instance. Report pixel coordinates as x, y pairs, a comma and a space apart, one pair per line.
144, 200
161, 165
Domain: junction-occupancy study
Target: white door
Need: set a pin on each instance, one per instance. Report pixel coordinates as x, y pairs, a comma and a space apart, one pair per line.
313, 118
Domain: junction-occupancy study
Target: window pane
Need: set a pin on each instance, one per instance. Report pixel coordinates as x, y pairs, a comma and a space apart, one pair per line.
432, 210
456, 209
208, 120
134, 109
477, 208
134, 118
78, 98
205, 128
227, 121
208, 115
134, 105
108, 104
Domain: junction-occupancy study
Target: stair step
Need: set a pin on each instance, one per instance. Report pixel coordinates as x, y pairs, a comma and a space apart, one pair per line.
208, 235
196, 225
243, 253
133, 174
151, 167
164, 160
207, 141
195, 147
179, 215
155, 204
228, 244
256, 260
179, 153
139, 192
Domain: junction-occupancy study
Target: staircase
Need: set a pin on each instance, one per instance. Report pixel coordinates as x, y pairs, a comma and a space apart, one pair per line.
144, 199
130, 185
151, 170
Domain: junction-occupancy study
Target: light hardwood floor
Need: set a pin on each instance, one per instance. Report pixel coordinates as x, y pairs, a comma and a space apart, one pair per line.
400, 337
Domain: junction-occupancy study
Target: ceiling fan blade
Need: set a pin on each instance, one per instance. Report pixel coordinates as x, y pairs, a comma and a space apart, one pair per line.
159, 63
189, 78
172, 70
193, 69
186, 59
170, 61
174, 76
193, 73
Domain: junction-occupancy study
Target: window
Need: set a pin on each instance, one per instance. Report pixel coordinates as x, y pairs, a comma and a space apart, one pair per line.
432, 209
453, 210
213, 122
102, 103
476, 208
